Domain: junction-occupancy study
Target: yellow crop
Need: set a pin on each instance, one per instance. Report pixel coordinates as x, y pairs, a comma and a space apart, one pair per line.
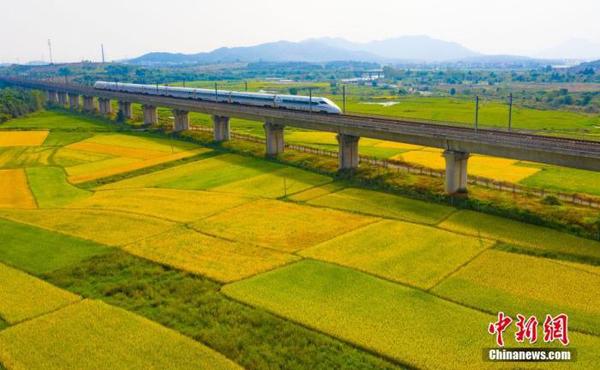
23, 296
110, 167
22, 138
94, 335
215, 258
514, 283
490, 167
107, 227
114, 150
142, 142
70, 157
280, 225
174, 204
412, 254
16, 157
14, 190
316, 192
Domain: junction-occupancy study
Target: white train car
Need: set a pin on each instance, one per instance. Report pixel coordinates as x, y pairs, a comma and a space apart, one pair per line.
292, 102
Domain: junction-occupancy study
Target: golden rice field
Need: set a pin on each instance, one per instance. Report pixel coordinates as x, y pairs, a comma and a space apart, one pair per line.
384, 205
488, 282
173, 204
412, 254
218, 259
94, 335
524, 235
66, 157
106, 227
14, 190
23, 296
114, 150
142, 142
490, 167
402, 323
283, 226
316, 192
22, 138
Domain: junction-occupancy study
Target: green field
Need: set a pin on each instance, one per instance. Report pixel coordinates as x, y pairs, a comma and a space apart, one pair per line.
52, 120
50, 187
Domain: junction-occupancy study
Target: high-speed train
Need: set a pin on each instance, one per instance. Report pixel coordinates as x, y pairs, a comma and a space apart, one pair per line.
293, 102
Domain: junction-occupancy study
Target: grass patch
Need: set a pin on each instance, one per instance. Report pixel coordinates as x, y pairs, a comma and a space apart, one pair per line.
194, 306
408, 325
39, 251
176, 205
22, 138
524, 235
547, 286
561, 179
284, 226
412, 254
384, 205
23, 296
109, 337
51, 188
18, 157
105, 227
64, 138
275, 184
204, 174
56, 120
218, 259
14, 190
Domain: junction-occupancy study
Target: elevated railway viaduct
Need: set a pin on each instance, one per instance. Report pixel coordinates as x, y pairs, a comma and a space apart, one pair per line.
458, 142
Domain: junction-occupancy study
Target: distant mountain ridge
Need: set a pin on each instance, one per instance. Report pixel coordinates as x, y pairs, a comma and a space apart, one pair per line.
400, 49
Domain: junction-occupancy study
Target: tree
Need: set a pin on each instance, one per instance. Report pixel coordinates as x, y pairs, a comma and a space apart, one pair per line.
453, 91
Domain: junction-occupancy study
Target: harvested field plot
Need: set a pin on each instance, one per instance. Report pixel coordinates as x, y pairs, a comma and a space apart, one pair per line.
15, 191
176, 205
94, 335
106, 227
402, 323
384, 205
408, 253
17, 157
215, 258
51, 189
22, 138
524, 235
488, 282
23, 296
280, 225
40, 251
275, 184
201, 175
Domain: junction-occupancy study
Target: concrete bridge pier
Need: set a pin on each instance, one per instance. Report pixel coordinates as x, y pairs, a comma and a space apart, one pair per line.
150, 115
182, 120
88, 104
274, 136
456, 171
62, 98
105, 106
221, 128
74, 101
125, 109
52, 97
348, 151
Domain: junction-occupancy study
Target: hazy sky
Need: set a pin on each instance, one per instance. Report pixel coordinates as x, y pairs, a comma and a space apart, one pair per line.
129, 28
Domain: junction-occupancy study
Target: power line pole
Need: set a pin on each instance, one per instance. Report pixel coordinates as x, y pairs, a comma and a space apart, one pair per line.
510, 104
344, 99
102, 49
50, 50
246, 86
310, 99
476, 112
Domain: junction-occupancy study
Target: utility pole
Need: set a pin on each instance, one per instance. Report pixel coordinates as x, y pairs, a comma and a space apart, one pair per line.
344, 99
102, 49
476, 112
310, 99
50, 50
510, 104
246, 86
216, 94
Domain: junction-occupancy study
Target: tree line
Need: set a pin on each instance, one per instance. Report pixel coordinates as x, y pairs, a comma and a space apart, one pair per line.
15, 102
